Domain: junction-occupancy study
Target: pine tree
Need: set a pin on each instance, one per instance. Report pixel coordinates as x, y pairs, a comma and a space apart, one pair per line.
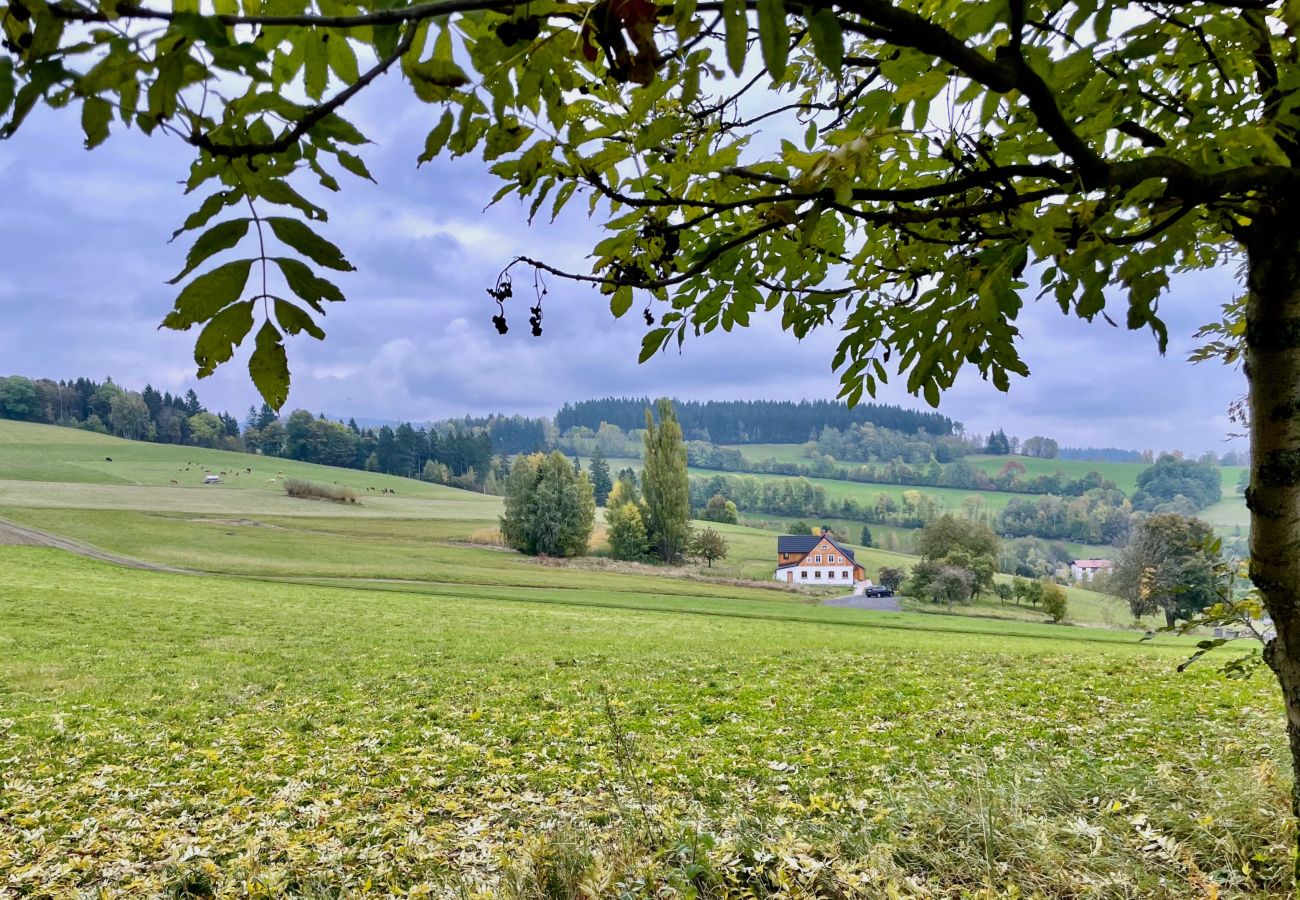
664, 484
600, 480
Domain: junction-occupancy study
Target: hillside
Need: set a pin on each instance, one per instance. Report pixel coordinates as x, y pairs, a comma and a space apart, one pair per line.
372, 700
423, 532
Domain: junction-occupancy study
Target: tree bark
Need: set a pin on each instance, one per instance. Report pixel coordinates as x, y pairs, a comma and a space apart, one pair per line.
1272, 363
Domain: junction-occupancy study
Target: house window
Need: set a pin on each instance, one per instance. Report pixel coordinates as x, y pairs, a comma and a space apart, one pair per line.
803, 573
846, 573
831, 558
831, 574
817, 558
818, 574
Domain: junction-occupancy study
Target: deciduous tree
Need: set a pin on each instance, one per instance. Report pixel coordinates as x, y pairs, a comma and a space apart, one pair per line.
664, 484
627, 534
549, 508
1171, 567
709, 545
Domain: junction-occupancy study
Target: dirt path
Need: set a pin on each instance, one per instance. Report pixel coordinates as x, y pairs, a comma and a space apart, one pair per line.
13, 533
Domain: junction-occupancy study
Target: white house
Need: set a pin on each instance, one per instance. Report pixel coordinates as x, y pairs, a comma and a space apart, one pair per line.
1088, 569
817, 560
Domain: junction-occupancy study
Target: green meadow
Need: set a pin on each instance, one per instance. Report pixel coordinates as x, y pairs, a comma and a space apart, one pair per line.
373, 700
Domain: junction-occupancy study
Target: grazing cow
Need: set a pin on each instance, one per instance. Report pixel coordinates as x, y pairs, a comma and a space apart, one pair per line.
174, 481
108, 459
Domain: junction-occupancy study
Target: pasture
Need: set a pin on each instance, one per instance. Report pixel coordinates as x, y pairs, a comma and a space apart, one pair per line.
216, 736
372, 701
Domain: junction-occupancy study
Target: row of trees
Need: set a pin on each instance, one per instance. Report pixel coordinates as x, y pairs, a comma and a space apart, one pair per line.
958, 562
926, 469
752, 421
457, 453
1099, 516
107, 408
550, 503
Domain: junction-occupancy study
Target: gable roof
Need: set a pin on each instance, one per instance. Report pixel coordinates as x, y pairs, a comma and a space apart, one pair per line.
1093, 564
803, 544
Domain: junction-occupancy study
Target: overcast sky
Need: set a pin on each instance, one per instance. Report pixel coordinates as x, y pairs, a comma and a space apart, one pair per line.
82, 289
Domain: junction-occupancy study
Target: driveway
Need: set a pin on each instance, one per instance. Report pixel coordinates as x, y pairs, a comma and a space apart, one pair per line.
857, 601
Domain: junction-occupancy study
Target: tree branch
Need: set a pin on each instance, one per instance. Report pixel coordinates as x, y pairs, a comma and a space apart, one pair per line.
308, 121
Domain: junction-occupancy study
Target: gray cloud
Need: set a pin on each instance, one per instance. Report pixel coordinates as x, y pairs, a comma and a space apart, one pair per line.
86, 259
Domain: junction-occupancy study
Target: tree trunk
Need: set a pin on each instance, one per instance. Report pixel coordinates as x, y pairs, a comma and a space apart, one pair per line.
1272, 364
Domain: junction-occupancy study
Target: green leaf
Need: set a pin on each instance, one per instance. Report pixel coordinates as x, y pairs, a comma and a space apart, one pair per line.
621, 302
277, 191
437, 138
295, 320
303, 282
337, 128
773, 36
353, 164
269, 366
737, 25
207, 209
203, 29
827, 38
653, 341
437, 78
96, 113
343, 60
7, 87
316, 73
217, 341
208, 294
213, 241
309, 243
684, 19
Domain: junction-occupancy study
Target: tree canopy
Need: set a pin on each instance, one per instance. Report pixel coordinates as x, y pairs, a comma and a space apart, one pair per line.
888, 168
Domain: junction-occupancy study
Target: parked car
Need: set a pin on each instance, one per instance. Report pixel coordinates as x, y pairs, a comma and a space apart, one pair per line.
877, 590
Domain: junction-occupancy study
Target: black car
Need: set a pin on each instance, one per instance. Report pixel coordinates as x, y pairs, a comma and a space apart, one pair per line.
877, 591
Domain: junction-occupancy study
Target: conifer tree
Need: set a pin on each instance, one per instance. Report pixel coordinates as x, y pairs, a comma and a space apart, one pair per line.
601, 483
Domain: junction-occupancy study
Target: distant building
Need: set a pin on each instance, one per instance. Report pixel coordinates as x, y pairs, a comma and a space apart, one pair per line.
816, 559
1087, 569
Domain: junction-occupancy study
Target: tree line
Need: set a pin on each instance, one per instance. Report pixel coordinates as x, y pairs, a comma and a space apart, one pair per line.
447, 453
550, 504
751, 421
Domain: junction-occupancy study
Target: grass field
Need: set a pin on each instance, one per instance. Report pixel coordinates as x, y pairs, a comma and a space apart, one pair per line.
201, 736
1123, 474
1227, 515
362, 702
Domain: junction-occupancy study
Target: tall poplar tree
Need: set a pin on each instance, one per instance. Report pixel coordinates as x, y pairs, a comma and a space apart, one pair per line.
664, 484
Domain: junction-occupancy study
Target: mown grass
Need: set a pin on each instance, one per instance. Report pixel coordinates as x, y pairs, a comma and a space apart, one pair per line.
48, 453
245, 739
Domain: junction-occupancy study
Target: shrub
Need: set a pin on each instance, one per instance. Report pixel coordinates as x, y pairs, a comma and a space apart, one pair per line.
308, 490
1054, 601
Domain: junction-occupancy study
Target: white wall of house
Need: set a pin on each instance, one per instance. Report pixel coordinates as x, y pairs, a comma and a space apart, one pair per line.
1079, 573
825, 573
